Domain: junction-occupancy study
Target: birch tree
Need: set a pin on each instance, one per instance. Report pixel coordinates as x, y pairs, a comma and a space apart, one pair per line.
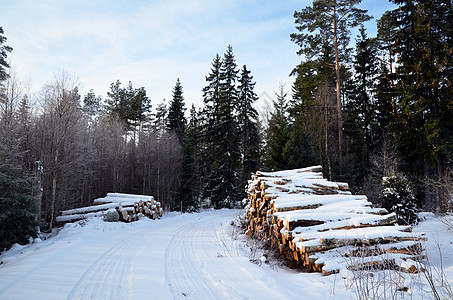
61, 113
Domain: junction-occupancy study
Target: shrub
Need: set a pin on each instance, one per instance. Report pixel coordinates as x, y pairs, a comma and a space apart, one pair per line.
111, 216
397, 196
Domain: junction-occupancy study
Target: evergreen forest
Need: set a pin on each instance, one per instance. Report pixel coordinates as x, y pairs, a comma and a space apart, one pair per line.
374, 111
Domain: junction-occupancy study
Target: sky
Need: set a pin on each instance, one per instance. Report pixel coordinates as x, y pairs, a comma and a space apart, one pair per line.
152, 43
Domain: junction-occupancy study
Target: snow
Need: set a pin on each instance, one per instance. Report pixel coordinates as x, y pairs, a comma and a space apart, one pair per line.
297, 179
341, 208
87, 209
123, 198
136, 198
288, 200
361, 233
286, 173
68, 218
193, 256
188, 256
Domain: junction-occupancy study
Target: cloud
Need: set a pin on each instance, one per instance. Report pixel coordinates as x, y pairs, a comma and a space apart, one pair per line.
150, 43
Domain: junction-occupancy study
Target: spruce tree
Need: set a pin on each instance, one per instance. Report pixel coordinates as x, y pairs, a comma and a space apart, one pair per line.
384, 103
278, 135
17, 221
384, 88
176, 121
222, 134
384, 93
189, 179
397, 196
423, 83
247, 119
299, 149
3, 54
17, 204
360, 122
228, 133
209, 119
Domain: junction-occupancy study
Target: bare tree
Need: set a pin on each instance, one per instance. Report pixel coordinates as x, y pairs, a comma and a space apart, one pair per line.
164, 163
441, 187
111, 147
11, 93
384, 162
60, 114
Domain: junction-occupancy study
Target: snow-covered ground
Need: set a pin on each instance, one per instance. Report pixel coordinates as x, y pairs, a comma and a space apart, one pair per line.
189, 256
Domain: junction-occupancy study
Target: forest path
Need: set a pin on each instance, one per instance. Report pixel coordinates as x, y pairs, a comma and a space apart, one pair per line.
189, 256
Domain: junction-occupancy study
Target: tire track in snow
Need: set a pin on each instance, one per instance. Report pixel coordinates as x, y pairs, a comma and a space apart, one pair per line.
191, 258
109, 276
61, 253
185, 271
195, 259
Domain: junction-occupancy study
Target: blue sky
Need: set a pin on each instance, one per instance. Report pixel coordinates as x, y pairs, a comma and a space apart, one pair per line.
152, 43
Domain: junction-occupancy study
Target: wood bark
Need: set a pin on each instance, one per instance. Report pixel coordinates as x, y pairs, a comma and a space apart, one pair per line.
304, 239
337, 74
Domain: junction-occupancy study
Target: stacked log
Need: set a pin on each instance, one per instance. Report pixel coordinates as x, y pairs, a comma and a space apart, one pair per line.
320, 225
151, 209
129, 208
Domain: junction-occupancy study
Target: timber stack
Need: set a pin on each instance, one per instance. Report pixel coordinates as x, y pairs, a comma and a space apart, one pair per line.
320, 225
129, 208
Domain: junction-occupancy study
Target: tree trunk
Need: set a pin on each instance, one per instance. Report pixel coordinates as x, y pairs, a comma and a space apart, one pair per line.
159, 196
337, 72
54, 183
426, 189
37, 189
326, 145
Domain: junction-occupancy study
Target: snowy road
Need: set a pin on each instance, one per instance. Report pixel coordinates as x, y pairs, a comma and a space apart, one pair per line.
191, 256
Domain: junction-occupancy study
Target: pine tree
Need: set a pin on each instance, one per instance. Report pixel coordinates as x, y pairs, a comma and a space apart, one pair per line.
138, 105
91, 103
329, 20
312, 109
115, 102
176, 121
159, 117
247, 119
17, 221
386, 38
129, 105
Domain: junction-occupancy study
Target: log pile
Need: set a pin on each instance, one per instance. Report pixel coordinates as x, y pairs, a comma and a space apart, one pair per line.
129, 208
320, 225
